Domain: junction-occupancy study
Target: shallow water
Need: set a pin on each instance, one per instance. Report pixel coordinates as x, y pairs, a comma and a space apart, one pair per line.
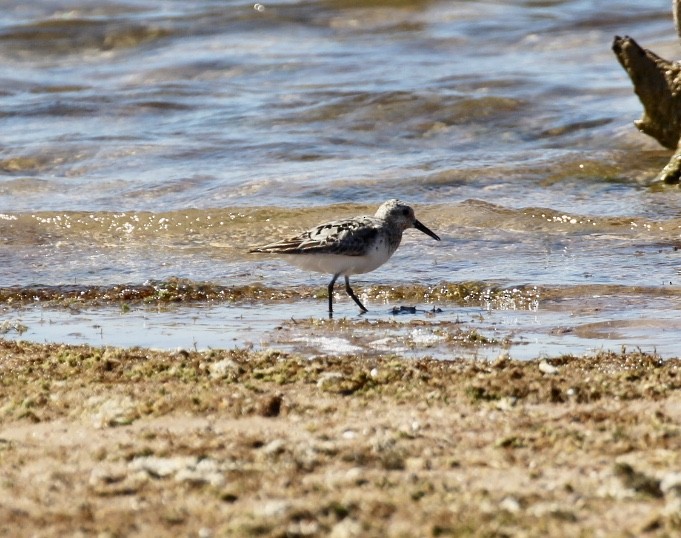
144, 141
510, 326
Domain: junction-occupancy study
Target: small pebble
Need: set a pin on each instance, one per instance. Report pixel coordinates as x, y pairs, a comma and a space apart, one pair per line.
546, 368
510, 504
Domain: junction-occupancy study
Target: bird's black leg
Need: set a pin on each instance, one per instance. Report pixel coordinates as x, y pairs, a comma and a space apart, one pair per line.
333, 281
352, 294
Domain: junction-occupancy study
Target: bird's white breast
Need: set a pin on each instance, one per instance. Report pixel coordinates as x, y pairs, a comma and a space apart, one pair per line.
376, 255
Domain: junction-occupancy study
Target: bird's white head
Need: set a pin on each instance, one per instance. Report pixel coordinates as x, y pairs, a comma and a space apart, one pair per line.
402, 216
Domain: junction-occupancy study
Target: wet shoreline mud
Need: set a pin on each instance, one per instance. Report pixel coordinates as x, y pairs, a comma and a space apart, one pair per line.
123, 442
176, 290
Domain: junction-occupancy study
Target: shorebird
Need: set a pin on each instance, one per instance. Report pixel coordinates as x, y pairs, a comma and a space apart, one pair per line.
349, 246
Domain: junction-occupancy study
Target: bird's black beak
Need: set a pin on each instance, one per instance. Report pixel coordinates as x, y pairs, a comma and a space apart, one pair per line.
421, 228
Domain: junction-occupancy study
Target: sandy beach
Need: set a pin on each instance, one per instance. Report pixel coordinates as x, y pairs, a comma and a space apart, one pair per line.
133, 442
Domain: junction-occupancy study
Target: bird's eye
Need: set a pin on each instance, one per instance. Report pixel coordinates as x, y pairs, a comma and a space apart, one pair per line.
405, 211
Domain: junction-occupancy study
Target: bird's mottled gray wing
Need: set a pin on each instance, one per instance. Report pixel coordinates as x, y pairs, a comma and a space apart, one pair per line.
347, 237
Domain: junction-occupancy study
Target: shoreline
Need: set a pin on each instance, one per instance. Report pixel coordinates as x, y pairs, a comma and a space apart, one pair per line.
140, 442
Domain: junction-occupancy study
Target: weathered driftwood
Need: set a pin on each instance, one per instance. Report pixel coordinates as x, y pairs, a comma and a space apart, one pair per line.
657, 82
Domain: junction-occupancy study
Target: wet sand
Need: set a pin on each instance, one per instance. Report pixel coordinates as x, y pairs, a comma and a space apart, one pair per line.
133, 442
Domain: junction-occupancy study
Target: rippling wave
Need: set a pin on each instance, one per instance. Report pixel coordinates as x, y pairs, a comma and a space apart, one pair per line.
535, 245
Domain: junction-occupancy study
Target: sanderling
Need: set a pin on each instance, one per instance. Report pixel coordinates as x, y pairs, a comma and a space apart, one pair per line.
350, 246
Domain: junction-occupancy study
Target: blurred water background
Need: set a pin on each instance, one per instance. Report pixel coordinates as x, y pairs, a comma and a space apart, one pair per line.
147, 140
